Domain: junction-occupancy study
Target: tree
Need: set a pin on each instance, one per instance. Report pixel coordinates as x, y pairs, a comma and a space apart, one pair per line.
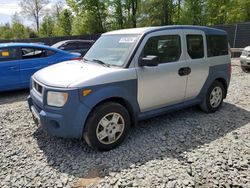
5, 31
57, 9
34, 9
17, 28
94, 10
193, 12
47, 26
65, 22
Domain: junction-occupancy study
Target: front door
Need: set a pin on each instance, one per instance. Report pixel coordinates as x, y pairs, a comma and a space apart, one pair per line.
164, 84
9, 69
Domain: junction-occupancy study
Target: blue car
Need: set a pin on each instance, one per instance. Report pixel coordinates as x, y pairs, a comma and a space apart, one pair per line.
19, 61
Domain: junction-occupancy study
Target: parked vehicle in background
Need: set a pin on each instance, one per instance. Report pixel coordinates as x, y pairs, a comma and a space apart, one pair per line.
245, 59
130, 75
79, 46
19, 61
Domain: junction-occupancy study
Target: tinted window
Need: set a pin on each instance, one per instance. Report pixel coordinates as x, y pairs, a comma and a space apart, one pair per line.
167, 48
84, 45
195, 46
8, 54
50, 53
70, 46
31, 53
217, 45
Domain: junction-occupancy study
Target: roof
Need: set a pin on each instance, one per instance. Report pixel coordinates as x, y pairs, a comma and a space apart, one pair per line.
146, 30
12, 44
31, 45
56, 45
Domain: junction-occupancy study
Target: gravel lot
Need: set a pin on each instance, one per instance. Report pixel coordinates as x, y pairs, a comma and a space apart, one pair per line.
187, 148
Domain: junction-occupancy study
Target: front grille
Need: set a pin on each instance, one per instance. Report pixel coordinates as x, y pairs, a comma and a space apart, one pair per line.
37, 87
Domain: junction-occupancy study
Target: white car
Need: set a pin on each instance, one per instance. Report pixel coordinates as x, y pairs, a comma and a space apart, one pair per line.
245, 59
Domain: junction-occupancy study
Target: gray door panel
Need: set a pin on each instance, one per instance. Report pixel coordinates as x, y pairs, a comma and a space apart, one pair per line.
199, 67
162, 85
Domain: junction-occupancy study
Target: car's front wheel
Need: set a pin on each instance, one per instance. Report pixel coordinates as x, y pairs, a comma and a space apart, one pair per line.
244, 69
107, 126
214, 97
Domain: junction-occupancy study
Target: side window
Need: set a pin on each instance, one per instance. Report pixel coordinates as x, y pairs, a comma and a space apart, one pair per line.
167, 48
217, 45
70, 46
82, 45
31, 53
195, 46
50, 53
8, 54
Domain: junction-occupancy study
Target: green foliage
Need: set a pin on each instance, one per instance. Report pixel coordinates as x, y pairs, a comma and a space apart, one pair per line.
98, 16
14, 31
47, 26
65, 22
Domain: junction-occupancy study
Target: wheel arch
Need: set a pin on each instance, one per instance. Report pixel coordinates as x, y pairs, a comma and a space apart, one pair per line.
224, 83
125, 103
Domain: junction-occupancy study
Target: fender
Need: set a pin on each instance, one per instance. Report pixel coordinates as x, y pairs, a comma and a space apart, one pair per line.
215, 72
126, 90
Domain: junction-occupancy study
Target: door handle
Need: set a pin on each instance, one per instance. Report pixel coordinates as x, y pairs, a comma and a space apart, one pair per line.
184, 71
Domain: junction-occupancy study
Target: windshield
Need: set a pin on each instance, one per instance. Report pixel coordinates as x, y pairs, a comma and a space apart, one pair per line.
112, 49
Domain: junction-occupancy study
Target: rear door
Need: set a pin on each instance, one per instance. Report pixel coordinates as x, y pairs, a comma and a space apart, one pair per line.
32, 60
196, 55
9, 68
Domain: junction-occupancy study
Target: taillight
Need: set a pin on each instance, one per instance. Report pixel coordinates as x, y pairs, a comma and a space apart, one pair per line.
76, 58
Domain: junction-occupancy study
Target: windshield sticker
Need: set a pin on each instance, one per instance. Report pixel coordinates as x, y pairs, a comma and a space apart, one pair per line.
127, 40
5, 54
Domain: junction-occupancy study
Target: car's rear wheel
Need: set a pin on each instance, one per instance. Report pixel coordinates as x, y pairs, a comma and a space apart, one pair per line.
107, 126
214, 97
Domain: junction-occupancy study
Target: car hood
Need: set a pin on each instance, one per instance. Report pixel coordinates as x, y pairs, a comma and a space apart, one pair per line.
247, 48
68, 73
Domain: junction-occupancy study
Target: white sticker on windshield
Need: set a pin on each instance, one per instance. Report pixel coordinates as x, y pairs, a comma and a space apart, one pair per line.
127, 40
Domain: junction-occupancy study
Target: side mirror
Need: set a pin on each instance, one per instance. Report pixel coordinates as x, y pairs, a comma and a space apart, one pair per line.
62, 48
150, 61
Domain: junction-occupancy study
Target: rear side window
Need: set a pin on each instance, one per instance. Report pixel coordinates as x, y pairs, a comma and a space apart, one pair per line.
167, 48
217, 45
195, 46
8, 54
70, 46
86, 45
33, 53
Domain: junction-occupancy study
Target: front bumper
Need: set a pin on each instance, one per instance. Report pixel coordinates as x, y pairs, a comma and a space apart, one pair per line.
67, 122
245, 62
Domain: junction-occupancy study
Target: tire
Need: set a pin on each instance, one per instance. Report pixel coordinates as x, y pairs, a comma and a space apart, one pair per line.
244, 69
107, 126
214, 97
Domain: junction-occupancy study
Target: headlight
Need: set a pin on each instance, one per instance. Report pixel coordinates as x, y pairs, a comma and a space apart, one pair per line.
57, 99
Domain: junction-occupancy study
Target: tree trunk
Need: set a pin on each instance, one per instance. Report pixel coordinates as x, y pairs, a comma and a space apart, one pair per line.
134, 10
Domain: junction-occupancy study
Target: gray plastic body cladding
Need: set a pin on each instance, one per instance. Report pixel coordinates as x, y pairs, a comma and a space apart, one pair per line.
215, 72
125, 90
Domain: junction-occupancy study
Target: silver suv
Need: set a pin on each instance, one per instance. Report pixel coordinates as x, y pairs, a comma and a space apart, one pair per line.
130, 75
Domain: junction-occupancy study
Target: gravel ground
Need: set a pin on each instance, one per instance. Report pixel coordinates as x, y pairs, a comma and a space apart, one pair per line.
187, 148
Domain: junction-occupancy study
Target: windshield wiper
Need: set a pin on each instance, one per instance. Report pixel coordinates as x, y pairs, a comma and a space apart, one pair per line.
101, 62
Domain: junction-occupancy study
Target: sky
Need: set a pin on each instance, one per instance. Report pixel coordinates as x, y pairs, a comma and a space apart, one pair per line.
9, 7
